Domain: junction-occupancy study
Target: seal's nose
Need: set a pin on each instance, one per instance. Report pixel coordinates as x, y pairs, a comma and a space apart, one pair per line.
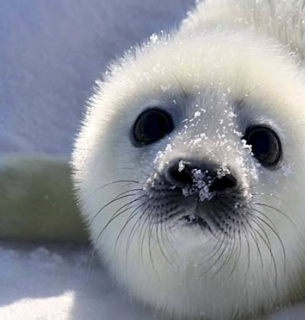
182, 173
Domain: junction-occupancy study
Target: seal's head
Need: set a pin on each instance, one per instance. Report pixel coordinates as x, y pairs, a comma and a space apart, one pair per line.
189, 170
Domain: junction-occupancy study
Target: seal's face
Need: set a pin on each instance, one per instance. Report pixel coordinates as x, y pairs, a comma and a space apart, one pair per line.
189, 170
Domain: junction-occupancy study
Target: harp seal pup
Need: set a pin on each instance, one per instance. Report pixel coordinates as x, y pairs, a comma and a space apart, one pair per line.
189, 164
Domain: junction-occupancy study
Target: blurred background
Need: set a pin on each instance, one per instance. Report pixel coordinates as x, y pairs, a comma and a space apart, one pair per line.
51, 53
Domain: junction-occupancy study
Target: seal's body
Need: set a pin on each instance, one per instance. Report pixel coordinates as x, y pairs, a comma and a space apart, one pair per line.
189, 164
36, 200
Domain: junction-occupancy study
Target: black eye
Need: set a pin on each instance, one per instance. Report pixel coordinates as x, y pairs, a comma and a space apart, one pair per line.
266, 145
151, 125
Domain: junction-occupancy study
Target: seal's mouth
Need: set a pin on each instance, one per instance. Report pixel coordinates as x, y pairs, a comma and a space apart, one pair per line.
219, 214
195, 220
197, 205
188, 216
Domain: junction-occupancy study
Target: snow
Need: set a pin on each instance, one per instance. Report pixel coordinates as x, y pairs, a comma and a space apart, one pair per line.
59, 284
200, 186
51, 53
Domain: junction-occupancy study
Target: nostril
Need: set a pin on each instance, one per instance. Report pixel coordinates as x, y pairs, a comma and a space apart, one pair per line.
179, 177
226, 182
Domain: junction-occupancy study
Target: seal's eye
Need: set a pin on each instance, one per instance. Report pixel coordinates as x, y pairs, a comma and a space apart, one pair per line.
151, 125
266, 145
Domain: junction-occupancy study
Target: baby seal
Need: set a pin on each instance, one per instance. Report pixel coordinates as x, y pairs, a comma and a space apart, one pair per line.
189, 165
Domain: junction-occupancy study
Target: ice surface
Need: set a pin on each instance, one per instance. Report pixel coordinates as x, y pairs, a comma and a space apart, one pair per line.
59, 283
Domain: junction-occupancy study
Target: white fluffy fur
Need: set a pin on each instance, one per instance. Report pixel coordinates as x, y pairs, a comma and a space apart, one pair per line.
225, 51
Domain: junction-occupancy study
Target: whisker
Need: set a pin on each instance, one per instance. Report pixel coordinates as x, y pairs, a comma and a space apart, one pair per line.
114, 216
275, 209
160, 246
117, 214
237, 257
254, 237
121, 196
266, 240
271, 195
112, 183
217, 251
133, 214
277, 236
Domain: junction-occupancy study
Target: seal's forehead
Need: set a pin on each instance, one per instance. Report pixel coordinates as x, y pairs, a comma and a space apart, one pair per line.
223, 61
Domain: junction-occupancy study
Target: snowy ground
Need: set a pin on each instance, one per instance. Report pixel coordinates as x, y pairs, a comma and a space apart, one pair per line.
50, 55
59, 284
64, 284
